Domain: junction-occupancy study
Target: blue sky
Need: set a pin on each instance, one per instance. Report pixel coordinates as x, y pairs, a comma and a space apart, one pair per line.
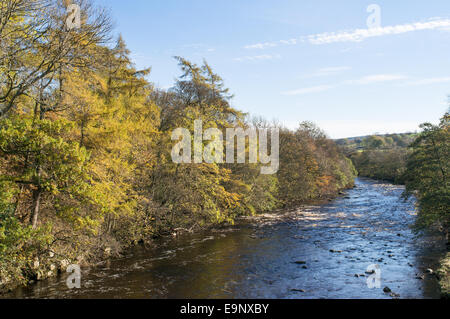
304, 60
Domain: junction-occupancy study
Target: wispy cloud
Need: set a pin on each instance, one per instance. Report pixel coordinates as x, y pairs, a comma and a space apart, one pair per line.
377, 78
258, 57
261, 45
366, 80
362, 34
307, 90
198, 48
329, 71
358, 35
266, 45
428, 81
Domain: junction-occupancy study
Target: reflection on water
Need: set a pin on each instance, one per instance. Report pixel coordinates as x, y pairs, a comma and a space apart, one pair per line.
335, 243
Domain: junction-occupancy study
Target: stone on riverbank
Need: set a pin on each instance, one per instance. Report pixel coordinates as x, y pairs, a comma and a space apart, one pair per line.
443, 274
297, 290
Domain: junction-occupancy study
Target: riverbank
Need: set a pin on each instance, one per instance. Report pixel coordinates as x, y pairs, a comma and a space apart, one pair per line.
315, 251
444, 276
54, 263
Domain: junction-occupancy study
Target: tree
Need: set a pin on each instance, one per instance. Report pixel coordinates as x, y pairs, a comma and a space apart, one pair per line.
117, 122
374, 142
36, 47
59, 174
427, 174
195, 194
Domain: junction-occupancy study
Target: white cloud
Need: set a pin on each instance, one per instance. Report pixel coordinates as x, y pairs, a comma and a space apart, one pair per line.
266, 45
307, 90
377, 78
258, 57
290, 41
369, 79
428, 81
329, 71
200, 48
362, 34
334, 69
358, 35
261, 45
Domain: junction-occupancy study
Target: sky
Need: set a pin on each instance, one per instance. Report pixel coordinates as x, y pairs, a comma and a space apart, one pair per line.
351, 71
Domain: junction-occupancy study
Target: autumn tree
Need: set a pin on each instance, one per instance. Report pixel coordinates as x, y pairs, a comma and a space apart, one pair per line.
36, 47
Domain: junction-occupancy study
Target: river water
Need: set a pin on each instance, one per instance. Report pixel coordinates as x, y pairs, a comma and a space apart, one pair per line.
333, 244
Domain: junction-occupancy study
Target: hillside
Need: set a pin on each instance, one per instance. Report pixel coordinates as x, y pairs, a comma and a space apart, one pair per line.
379, 156
377, 141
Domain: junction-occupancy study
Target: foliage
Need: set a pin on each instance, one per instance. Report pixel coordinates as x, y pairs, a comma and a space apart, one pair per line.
311, 166
19, 247
380, 157
386, 165
427, 174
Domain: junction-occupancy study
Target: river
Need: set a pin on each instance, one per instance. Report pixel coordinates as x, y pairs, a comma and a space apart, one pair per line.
318, 251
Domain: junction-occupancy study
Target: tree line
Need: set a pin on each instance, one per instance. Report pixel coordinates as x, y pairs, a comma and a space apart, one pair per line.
380, 157
85, 147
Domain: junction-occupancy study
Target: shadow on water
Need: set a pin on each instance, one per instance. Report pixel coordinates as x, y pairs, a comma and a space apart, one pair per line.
311, 252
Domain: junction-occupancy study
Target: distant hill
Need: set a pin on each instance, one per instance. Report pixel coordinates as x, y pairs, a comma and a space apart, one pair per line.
379, 156
379, 142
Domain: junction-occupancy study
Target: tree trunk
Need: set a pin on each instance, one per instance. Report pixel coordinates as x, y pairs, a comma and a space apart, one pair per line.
36, 206
447, 235
16, 205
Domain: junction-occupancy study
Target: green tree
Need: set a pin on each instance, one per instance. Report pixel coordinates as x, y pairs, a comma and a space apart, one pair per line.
427, 174
58, 175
